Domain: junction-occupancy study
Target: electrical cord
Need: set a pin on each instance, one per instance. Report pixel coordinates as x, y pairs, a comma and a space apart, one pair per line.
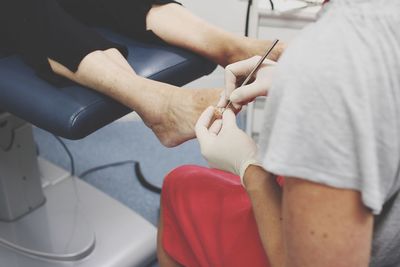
71, 158
249, 4
105, 166
141, 178
6, 148
246, 27
11, 143
272, 4
144, 182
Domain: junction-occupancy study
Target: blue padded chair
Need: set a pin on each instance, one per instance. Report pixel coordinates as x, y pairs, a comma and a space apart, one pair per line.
47, 217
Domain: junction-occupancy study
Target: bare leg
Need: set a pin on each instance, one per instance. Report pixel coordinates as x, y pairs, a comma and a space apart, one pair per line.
176, 25
163, 258
169, 111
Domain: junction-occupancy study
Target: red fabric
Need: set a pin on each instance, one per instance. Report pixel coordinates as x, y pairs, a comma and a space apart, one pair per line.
208, 220
280, 180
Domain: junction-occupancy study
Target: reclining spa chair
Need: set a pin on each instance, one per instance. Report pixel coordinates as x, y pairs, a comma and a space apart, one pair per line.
48, 218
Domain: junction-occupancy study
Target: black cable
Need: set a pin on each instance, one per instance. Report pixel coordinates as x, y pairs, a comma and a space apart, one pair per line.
272, 4
37, 149
142, 180
71, 158
246, 29
105, 166
10, 145
3, 124
249, 4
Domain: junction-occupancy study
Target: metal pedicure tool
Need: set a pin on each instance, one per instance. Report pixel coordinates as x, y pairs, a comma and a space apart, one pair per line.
256, 67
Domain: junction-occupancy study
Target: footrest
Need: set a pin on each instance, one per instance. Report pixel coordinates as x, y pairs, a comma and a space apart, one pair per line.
74, 111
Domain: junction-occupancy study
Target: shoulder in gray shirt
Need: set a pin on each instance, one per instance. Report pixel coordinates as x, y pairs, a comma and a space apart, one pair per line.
332, 115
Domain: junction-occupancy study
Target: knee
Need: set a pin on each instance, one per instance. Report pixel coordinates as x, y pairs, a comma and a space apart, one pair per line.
176, 177
182, 178
100, 56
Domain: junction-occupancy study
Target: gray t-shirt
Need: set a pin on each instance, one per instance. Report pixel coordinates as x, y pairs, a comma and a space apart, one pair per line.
332, 115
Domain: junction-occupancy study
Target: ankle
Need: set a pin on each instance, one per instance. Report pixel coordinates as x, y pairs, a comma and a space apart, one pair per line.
238, 50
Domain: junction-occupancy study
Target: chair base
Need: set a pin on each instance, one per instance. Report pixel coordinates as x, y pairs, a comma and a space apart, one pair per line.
121, 237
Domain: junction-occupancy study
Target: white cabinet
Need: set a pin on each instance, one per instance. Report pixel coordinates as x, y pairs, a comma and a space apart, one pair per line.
268, 24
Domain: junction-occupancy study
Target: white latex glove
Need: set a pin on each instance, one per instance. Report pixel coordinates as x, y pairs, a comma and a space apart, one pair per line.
223, 144
236, 73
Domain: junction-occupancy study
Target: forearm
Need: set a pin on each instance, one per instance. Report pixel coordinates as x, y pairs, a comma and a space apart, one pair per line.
265, 196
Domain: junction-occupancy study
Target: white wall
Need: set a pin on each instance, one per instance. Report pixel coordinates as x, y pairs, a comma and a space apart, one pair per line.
227, 14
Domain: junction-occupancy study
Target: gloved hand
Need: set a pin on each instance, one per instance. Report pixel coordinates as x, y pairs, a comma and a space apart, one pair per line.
223, 144
236, 73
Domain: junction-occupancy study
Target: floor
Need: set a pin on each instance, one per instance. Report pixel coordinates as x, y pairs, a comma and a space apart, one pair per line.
120, 141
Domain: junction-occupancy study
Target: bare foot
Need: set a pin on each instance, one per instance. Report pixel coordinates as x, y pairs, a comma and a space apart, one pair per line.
174, 123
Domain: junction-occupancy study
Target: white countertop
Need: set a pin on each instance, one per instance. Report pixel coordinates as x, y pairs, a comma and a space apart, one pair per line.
289, 9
